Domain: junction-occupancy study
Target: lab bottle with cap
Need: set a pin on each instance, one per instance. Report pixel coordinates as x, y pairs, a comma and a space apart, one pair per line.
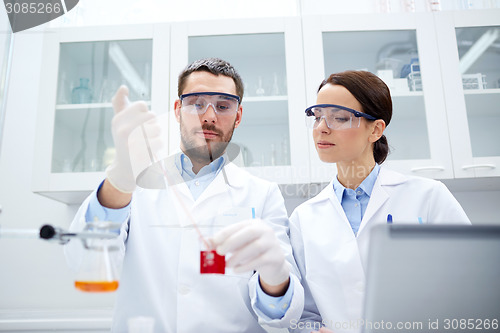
101, 263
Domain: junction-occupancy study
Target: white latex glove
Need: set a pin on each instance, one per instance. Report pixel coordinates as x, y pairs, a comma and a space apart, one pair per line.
128, 116
253, 246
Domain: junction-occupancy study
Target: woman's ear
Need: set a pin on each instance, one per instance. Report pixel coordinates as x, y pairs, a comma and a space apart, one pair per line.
377, 130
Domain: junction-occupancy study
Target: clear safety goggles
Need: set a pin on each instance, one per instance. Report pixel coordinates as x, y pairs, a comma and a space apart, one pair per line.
198, 103
337, 117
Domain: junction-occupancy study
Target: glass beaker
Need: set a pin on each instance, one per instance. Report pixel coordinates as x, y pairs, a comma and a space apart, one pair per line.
210, 261
82, 94
101, 264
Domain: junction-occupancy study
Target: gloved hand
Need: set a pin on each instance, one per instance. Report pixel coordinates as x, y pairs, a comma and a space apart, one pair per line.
253, 246
128, 116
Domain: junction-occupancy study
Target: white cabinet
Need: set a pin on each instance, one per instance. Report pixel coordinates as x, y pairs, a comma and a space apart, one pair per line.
268, 55
439, 129
74, 142
82, 69
469, 51
402, 50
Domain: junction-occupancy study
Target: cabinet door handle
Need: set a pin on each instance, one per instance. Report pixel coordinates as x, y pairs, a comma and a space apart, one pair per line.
476, 166
428, 168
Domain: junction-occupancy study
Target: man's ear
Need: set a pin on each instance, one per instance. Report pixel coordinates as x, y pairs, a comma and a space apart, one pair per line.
177, 110
239, 116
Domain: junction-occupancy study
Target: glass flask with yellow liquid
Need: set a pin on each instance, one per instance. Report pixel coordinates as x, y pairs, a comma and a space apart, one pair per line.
101, 263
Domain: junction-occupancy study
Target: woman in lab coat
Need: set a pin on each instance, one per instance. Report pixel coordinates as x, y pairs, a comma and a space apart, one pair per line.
329, 233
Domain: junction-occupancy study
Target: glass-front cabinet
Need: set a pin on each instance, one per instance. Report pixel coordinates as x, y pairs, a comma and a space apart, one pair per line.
89, 75
401, 50
443, 70
82, 70
268, 56
263, 135
470, 60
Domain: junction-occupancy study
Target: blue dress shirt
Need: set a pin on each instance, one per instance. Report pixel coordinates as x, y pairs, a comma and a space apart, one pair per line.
273, 307
354, 202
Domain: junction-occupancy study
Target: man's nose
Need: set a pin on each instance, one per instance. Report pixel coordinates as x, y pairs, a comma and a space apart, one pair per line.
210, 115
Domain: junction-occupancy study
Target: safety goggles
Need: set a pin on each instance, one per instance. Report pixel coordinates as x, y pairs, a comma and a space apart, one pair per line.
337, 117
198, 103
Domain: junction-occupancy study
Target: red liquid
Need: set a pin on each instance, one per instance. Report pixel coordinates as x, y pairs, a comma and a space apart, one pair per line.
212, 263
96, 286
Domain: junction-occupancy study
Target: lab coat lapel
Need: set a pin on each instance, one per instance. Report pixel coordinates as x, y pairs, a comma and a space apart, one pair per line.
337, 224
344, 222
216, 187
341, 267
380, 194
219, 186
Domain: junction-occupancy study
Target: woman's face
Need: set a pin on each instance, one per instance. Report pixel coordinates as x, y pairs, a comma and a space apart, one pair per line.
353, 145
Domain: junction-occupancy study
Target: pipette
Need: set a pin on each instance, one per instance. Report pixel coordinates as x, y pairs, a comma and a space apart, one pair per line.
51, 233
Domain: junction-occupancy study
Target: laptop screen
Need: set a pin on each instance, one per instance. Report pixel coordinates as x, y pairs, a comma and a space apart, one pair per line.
433, 278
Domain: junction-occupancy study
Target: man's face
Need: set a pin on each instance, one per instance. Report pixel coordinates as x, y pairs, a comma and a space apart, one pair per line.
204, 137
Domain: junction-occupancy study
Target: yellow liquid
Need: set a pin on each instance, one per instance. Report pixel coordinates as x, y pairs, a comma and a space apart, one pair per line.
96, 286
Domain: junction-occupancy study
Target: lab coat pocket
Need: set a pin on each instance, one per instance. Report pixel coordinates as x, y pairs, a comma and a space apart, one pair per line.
228, 216
406, 219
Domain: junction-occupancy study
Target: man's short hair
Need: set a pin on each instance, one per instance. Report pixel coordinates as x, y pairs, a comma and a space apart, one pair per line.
215, 66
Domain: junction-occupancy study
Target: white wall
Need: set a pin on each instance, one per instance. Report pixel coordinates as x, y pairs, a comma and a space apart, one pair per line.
33, 275
482, 207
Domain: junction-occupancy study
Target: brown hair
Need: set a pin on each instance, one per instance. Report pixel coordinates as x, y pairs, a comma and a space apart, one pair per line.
215, 66
375, 99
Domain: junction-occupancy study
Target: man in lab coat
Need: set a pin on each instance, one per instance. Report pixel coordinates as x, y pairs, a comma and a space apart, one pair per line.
241, 216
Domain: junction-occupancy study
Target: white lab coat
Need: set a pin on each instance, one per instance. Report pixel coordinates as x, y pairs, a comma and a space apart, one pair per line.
332, 260
161, 265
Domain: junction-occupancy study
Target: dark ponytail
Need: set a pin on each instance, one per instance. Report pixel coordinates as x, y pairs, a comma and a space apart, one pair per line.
380, 149
375, 99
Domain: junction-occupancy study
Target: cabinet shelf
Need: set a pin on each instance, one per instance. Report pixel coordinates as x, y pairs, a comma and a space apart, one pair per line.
443, 125
407, 93
87, 106
482, 91
265, 98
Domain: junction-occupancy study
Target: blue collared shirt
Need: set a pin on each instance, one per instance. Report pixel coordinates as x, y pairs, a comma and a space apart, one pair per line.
198, 182
273, 307
354, 202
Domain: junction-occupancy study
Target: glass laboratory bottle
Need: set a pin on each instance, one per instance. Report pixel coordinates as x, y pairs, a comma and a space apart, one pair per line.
101, 264
82, 94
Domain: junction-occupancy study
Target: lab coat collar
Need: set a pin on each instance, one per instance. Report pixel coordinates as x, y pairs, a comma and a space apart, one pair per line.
229, 177
227, 180
385, 179
379, 195
325, 194
328, 194
366, 185
185, 166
